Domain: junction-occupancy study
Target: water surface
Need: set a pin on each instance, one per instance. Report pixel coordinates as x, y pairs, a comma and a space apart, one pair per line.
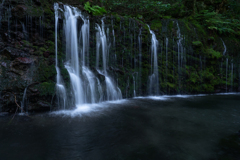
167, 128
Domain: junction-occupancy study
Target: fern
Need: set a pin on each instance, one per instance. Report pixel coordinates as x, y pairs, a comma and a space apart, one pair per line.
218, 22
95, 10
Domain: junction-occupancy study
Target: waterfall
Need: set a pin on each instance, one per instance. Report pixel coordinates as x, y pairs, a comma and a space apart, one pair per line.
1, 8
140, 59
166, 61
112, 91
23, 102
114, 44
224, 53
232, 75
72, 65
226, 72
239, 77
180, 52
85, 87
225, 48
153, 79
134, 84
41, 26
24, 31
60, 88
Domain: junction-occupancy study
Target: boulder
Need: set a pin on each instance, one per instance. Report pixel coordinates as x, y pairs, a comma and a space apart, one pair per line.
19, 11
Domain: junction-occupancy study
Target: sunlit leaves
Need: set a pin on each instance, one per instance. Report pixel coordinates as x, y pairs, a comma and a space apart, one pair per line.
95, 10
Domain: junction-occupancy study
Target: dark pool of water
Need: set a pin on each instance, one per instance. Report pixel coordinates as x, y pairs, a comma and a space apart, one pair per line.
166, 128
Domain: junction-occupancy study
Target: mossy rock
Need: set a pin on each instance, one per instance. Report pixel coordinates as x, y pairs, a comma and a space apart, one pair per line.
46, 72
46, 88
197, 44
213, 54
156, 25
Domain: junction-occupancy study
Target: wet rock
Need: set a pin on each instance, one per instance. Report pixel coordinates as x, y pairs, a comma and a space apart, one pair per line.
3, 114
8, 98
5, 36
51, 61
24, 60
4, 64
46, 54
32, 89
117, 70
19, 11
100, 76
1, 44
12, 53
43, 104
37, 2
38, 44
20, 65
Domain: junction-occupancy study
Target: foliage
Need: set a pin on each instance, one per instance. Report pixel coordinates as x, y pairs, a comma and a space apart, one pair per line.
197, 44
218, 22
95, 10
214, 54
140, 9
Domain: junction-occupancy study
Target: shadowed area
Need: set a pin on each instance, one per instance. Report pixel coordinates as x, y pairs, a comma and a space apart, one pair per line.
169, 128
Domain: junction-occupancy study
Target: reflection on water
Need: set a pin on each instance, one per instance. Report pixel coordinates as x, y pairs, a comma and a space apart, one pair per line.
145, 128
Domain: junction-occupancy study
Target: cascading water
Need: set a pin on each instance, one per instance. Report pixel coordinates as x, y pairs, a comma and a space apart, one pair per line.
225, 48
24, 31
99, 83
226, 74
166, 60
23, 102
112, 91
72, 55
180, 52
85, 86
153, 79
224, 53
1, 8
232, 75
140, 60
60, 88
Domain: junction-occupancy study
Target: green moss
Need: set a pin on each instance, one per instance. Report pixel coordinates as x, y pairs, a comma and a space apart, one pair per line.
46, 88
46, 72
170, 25
26, 43
156, 24
51, 46
211, 38
171, 85
197, 44
167, 17
48, 11
213, 54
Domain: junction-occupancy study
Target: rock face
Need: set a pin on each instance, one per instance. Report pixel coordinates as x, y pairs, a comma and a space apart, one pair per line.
19, 11
26, 45
189, 61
